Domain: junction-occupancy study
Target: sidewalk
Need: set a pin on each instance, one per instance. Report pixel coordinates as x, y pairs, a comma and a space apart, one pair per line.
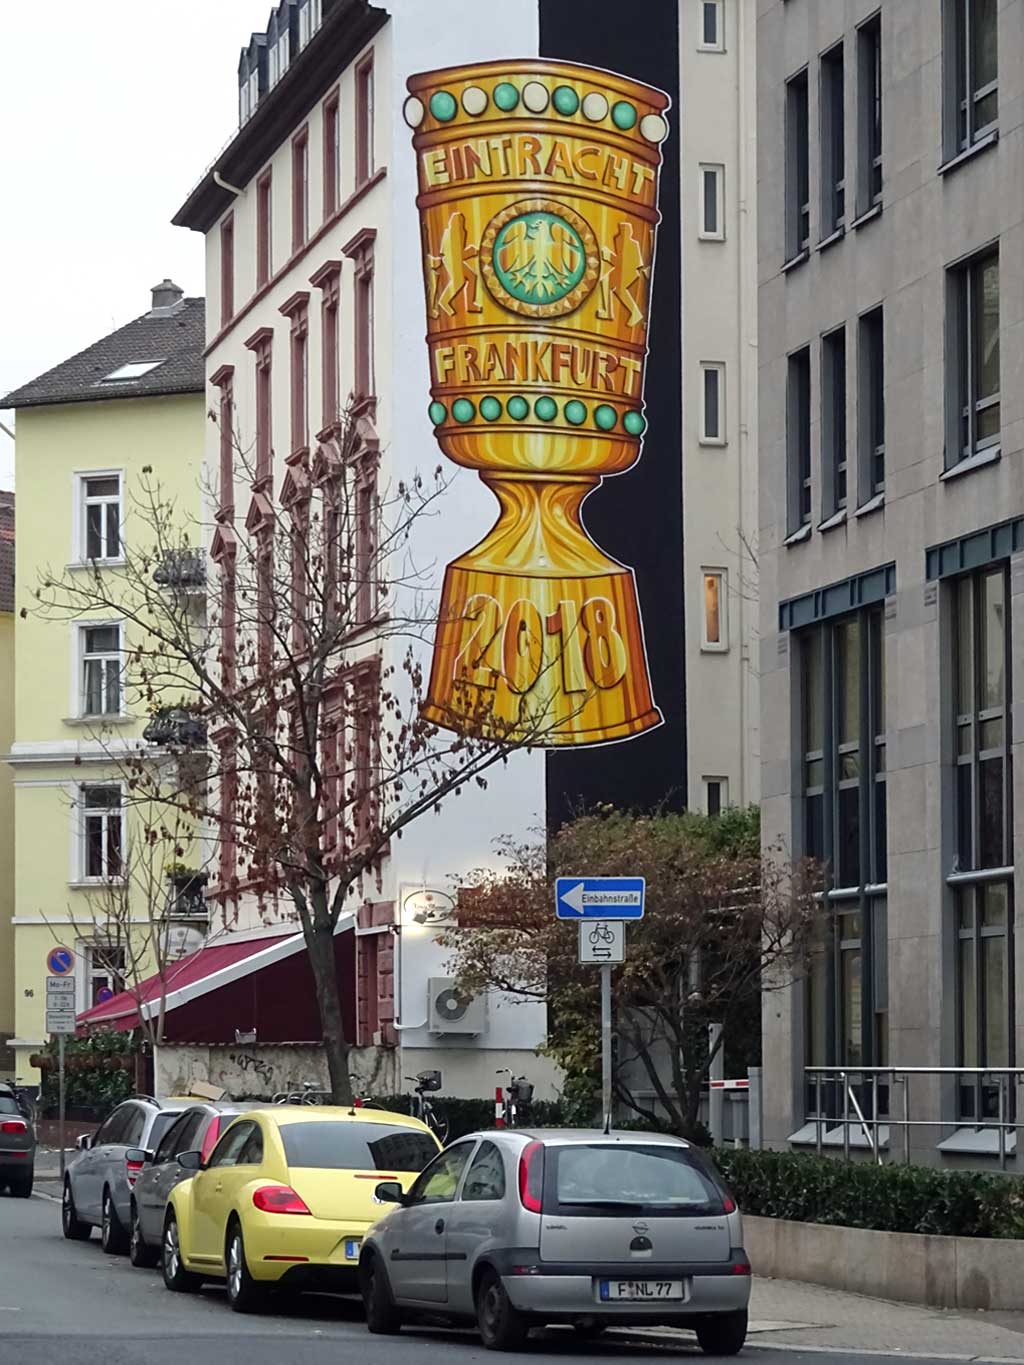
785, 1315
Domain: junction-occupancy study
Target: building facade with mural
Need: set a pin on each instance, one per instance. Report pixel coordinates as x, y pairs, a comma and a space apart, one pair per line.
495, 182
86, 430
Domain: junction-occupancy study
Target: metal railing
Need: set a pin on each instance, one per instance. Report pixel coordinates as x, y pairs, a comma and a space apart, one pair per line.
869, 1080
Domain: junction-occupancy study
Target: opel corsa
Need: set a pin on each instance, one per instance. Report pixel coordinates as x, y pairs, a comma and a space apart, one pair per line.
517, 1229
285, 1199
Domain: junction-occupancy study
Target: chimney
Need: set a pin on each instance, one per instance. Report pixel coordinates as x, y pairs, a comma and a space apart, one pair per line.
166, 295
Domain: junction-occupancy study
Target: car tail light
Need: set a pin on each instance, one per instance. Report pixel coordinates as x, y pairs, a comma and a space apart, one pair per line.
133, 1169
728, 1205
13, 1126
278, 1199
212, 1134
531, 1176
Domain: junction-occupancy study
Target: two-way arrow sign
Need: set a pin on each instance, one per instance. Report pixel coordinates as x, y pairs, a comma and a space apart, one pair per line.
599, 898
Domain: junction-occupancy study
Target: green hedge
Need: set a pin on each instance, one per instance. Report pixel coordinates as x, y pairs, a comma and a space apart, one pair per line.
896, 1198
466, 1116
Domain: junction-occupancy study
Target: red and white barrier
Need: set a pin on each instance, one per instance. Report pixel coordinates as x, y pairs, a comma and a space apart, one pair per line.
499, 1107
729, 1085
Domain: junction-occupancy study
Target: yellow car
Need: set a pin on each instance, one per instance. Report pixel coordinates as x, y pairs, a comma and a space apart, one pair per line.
285, 1199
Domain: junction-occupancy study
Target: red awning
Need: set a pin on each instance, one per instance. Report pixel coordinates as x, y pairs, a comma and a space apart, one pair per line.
123, 1011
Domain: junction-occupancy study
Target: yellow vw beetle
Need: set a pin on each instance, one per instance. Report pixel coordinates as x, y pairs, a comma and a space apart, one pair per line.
285, 1199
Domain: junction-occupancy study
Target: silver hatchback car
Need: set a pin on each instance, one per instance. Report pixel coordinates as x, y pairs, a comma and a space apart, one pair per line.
518, 1228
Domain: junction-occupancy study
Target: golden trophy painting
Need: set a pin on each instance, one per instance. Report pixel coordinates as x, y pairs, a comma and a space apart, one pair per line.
538, 190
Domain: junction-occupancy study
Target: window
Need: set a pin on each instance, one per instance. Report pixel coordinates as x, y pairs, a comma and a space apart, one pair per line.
328, 279
360, 249
252, 1152
970, 71
102, 831
354, 1146
485, 1178
972, 341
714, 632
716, 795
261, 344
300, 189
263, 229
101, 516
364, 120
871, 367
833, 153
869, 109
711, 207
227, 269
254, 90
712, 403
712, 36
135, 369
833, 420
101, 670
798, 191
178, 1137
298, 311
224, 380
106, 966
365, 714
798, 438
243, 102
332, 155
982, 754
439, 1182
305, 27
841, 702
228, 1149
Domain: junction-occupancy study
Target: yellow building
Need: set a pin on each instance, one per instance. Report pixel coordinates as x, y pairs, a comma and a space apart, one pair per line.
6, 783
87, 431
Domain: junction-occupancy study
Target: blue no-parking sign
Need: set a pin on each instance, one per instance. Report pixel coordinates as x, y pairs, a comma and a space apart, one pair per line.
60, 961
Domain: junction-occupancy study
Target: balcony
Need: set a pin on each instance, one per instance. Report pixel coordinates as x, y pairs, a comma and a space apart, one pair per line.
186, 894
176, 727
182, 568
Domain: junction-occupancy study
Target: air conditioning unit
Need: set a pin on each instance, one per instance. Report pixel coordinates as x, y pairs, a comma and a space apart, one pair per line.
449, 1011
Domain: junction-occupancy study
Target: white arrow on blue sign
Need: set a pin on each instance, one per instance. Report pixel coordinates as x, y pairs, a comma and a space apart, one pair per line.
599, 897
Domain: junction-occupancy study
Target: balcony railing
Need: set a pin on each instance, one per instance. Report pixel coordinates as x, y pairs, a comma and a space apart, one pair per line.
186, 897
183, 567
176, 727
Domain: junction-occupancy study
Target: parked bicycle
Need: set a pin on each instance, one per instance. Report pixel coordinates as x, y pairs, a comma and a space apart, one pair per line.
421, 1108
517, 1100
310, 1093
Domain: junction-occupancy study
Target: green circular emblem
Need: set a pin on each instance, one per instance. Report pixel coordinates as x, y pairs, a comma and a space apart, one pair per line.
518, 408
506, 96
437, 413
566, 100
635, 423
443, 106
490, 409
463, 410
546, 409
575, 412
605, 417
538, 258
623, 115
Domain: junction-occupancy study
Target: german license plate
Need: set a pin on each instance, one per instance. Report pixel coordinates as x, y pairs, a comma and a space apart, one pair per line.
641, 1289
351, 1250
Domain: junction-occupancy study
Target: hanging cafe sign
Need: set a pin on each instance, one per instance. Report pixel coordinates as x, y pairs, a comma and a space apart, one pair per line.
538, 189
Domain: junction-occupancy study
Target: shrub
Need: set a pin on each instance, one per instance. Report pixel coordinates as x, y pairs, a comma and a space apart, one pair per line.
99, 1070
896, 1198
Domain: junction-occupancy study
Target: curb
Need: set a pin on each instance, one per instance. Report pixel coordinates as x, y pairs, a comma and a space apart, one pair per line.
681, 1337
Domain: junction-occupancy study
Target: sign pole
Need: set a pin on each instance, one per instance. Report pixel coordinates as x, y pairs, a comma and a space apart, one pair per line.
60, 1125
606, 1044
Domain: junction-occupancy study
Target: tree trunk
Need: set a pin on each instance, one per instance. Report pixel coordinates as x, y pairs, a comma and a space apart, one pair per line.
320, 946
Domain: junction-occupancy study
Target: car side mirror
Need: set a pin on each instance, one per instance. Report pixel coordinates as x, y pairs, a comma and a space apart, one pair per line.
83, 1142
138, 1155
390, 1192
190, 1161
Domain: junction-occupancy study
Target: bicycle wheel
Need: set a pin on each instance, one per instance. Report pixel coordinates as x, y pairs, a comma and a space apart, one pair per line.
438, 1125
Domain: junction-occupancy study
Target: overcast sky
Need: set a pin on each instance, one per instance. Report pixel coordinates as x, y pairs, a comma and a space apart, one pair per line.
110, 113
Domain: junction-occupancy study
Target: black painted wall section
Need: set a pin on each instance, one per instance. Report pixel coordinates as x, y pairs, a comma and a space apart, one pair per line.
637, 517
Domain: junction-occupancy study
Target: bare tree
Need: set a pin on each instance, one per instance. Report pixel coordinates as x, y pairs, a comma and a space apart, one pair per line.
295, 684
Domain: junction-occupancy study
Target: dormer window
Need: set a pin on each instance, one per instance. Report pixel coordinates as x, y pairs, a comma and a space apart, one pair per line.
254, 91
243, 103
135, 369
310, 19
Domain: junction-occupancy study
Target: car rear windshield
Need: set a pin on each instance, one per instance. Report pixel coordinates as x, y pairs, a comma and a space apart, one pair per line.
357, 1146
8, 1106
161, 1124
611, 1177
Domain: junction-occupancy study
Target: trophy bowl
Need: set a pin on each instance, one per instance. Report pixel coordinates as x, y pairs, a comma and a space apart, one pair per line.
538, 186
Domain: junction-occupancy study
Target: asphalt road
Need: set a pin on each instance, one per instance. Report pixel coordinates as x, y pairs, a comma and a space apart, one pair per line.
66, 1303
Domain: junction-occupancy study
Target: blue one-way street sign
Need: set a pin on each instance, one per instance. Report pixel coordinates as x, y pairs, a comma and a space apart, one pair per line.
599, 898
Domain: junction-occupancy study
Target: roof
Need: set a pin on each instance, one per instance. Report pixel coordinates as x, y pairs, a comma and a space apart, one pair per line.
285, 1114
175, 336
6, 551
346, 30
202, 971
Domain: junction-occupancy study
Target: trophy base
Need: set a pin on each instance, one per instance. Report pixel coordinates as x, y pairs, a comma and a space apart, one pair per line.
545, 661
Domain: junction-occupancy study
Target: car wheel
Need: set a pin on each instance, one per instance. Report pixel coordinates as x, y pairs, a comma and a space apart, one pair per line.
244, 1294
140, 1253
113, 1237
176, 1277
502, 1328
21, 1186
724, 1334
382, 1317
74, 1229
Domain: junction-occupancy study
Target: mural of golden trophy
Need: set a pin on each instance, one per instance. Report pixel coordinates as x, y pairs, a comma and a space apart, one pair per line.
538, 187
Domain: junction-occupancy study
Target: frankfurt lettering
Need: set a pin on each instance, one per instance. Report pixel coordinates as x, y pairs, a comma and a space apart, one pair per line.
539, 360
